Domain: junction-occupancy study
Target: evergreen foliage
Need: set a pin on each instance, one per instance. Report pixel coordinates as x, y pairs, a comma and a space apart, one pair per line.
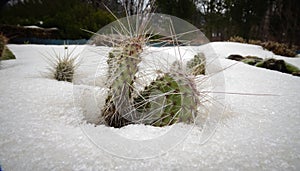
274, 20
68, 16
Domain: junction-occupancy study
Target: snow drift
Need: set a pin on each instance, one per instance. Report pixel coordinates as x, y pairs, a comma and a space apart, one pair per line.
42, 129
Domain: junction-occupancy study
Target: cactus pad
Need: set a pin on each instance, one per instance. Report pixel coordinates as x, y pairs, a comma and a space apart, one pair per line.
169, 99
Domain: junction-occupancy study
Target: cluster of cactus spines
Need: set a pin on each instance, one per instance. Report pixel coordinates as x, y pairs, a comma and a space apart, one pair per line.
64, 69
171, 98
196, 66
123, 65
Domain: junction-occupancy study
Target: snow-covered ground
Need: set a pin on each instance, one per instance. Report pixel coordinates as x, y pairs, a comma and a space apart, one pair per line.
41, 124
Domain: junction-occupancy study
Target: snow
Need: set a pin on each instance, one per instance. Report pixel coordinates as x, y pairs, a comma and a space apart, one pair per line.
37, 27
228, 48
42, 121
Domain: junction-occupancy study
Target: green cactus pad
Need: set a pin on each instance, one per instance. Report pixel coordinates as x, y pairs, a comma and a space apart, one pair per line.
169, 99
123, 65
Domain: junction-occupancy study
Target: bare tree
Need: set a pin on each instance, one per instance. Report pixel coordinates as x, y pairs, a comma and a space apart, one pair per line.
138, 6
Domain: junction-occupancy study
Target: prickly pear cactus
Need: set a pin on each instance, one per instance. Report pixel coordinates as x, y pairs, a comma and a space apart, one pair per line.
172, 97
123, 65
196, 66
169, 99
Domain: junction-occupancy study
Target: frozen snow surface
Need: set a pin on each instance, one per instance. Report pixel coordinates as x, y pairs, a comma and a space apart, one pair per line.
42, 120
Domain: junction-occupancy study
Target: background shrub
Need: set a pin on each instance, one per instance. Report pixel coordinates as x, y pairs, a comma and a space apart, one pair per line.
237, 39
255, 42
279, 48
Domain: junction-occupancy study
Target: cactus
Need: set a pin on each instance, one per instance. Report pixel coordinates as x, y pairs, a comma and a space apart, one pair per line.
123, 65
62, 68
196, 66
169, 99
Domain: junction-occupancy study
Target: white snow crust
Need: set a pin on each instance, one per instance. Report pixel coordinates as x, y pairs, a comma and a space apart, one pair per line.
43, 121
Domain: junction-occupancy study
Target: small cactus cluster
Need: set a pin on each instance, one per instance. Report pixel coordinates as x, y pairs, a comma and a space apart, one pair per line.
170, 98
62, 68
196, 66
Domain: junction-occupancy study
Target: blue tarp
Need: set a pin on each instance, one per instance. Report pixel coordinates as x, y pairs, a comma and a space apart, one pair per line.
48, 41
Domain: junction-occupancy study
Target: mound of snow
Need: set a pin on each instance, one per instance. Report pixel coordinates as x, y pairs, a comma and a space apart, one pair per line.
42, 129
